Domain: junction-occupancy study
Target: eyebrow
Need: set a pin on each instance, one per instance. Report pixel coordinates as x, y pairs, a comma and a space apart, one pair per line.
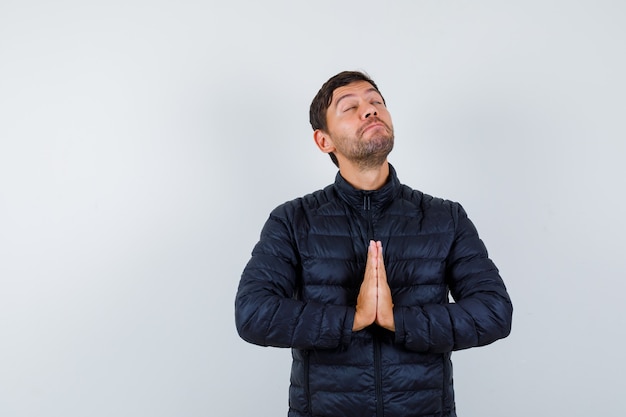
352, 95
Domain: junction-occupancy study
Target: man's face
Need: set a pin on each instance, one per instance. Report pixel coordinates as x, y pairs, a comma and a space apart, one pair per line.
359, 125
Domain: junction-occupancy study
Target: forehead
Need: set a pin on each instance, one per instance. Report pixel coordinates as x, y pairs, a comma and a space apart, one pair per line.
356, 88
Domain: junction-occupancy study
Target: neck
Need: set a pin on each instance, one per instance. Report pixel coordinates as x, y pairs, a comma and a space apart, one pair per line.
365, 179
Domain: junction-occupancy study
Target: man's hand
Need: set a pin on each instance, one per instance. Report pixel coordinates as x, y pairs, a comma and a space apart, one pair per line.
384, 304
374, 303
366, 301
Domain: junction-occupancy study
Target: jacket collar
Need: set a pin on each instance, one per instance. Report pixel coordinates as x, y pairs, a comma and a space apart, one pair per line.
369, 200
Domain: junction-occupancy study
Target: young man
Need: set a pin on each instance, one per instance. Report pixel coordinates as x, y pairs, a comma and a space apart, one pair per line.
355, 278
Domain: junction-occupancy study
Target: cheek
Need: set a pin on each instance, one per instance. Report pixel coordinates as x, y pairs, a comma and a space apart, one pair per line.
387, 118
343, 126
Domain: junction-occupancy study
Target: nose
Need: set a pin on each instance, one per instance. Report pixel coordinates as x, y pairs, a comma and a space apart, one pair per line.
370, 111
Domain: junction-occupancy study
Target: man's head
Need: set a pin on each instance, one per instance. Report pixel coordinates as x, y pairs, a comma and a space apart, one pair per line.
351, 121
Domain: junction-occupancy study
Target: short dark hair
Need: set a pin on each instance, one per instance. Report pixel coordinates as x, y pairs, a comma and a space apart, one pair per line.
323, 98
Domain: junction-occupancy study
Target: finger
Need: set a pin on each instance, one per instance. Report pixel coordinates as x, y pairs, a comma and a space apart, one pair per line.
371, 265
381, 261
372, 254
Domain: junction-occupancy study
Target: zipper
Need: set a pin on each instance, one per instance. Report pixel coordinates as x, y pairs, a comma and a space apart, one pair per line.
307, 389
378, 370
367, 207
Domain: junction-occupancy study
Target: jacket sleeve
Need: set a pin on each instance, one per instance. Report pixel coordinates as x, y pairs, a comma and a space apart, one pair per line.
267, 309
482, 311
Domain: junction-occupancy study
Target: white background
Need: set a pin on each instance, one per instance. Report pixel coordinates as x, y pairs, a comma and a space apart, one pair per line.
143, 145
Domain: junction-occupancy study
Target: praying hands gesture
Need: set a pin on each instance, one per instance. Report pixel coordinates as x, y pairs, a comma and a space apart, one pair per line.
374, 303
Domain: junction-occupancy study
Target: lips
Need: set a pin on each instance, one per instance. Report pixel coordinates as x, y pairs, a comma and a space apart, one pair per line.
377, 124
373, 124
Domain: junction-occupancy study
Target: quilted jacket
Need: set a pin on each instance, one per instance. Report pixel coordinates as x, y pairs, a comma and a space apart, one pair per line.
300, 286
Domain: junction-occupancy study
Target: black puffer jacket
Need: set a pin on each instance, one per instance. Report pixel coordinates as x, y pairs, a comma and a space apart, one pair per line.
299, 290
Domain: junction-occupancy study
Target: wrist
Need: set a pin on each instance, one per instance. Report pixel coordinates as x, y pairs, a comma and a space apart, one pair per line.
360, 322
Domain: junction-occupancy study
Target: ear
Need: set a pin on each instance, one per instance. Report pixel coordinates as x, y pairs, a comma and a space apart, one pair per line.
323, 141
